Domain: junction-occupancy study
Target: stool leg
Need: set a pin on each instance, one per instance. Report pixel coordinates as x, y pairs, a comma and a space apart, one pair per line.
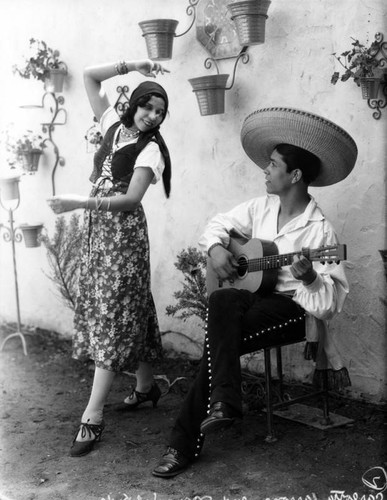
280, 373
270, 438
326, 418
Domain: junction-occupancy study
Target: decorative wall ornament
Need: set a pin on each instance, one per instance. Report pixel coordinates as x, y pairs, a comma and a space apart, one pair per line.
210, 89
43, 63
368, 68
160, 33
58, 117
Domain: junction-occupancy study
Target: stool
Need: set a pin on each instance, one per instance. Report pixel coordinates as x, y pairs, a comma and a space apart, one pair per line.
270, 406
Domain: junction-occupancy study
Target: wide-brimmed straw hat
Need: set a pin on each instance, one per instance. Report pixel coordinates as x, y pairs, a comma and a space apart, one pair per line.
265, 128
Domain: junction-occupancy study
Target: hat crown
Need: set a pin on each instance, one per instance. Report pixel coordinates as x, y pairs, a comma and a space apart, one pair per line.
265, 128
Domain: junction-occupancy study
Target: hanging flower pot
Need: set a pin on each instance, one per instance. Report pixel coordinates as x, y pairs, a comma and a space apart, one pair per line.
31, 234
54, 80
9, 187
30, 159
209, 92
369, 87
159, 35
249, 18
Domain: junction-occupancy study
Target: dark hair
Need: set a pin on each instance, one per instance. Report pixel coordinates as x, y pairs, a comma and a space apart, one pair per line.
127, 117
300, 158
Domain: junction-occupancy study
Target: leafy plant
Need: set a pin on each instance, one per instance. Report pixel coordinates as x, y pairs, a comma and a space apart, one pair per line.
192, 300
358, 62
63, 251
39, 62
28, 142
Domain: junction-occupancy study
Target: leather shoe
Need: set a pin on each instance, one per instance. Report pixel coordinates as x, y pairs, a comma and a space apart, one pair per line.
220, 417
172, 463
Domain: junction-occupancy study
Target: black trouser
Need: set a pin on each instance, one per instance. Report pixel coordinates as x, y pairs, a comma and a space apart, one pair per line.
239, 322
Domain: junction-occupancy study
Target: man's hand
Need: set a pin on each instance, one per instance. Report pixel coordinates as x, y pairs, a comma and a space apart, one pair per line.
302, 269
223, 263
66, 202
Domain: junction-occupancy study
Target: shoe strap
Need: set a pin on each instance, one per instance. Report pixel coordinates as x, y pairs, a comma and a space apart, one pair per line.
90, 429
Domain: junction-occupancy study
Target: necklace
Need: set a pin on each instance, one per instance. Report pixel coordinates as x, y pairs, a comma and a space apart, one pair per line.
127, 134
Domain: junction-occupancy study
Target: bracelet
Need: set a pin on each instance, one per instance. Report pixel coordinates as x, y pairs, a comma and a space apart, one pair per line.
121, 68
213, 246
98, 203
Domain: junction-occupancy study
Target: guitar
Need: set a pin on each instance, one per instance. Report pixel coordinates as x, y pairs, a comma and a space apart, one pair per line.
258, 263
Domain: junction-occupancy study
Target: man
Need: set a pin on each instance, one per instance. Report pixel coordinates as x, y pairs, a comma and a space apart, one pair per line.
295, 149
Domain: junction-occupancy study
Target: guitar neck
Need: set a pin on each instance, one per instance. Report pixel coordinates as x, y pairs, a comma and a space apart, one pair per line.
274, 261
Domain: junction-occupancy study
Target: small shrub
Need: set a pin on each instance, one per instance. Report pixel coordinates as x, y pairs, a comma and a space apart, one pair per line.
64, 254
192, 300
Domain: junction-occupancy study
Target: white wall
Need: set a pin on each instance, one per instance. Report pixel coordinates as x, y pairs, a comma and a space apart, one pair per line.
211, 173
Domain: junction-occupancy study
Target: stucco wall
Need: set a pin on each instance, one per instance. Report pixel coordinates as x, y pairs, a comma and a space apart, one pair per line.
211, 173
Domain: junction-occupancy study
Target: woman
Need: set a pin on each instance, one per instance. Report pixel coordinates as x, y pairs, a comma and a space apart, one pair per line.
115, 318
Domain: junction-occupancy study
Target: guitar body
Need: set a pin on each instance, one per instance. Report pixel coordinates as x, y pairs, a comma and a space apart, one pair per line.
244, 250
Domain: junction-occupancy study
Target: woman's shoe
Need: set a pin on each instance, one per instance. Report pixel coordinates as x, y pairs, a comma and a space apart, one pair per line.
141, 397
81, 448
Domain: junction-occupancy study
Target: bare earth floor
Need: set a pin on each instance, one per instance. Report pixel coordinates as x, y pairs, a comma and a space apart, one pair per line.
42, 398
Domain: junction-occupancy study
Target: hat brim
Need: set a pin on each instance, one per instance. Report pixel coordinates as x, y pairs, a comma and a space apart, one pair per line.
265, 128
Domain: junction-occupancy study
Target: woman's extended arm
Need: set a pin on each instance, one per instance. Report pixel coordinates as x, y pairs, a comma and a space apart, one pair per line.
93, 77
139, 183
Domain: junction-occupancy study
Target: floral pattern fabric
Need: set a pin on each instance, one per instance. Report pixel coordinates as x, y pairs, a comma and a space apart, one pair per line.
115, 317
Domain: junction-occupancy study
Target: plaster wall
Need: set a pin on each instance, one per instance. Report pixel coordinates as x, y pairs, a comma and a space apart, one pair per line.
211, 172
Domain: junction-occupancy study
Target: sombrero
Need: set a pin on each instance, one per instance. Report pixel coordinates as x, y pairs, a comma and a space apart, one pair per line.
266, 128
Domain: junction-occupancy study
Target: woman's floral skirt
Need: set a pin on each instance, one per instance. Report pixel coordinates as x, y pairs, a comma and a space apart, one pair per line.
115, 317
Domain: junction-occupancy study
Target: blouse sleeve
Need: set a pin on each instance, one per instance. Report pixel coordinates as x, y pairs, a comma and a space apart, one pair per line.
151, 157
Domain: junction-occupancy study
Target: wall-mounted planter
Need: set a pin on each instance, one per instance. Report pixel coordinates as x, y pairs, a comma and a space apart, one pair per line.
369, 87
30, 160
31, 234
9, 187
55, 79
159, 35
209, 92
249, 18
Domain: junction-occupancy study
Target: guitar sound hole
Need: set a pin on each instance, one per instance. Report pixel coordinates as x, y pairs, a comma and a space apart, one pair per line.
242, 266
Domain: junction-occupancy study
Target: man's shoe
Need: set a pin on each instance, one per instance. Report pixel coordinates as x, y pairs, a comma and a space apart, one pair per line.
220, 417
171, 464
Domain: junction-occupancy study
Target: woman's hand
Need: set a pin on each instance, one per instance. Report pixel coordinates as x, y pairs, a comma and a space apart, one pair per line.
66, 202
150, 68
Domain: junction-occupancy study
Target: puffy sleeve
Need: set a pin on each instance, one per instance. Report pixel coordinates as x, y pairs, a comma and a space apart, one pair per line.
325, 296
239, 219
151, 157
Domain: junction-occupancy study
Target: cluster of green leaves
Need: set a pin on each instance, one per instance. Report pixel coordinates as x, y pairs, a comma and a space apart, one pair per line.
64, 254
359, 62
192, 300
39, 62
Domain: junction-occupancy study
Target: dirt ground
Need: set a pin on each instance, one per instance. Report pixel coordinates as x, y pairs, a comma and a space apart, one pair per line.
43, 395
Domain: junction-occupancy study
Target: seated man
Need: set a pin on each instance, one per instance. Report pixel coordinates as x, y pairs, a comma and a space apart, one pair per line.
295, 149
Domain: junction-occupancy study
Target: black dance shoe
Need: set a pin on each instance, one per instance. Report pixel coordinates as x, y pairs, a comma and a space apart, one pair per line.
220, 417
141, 397
171, 464
81, 448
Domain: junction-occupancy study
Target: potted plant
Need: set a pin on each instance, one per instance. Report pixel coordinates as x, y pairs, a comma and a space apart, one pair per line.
361, 64
28, 148
43, 64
